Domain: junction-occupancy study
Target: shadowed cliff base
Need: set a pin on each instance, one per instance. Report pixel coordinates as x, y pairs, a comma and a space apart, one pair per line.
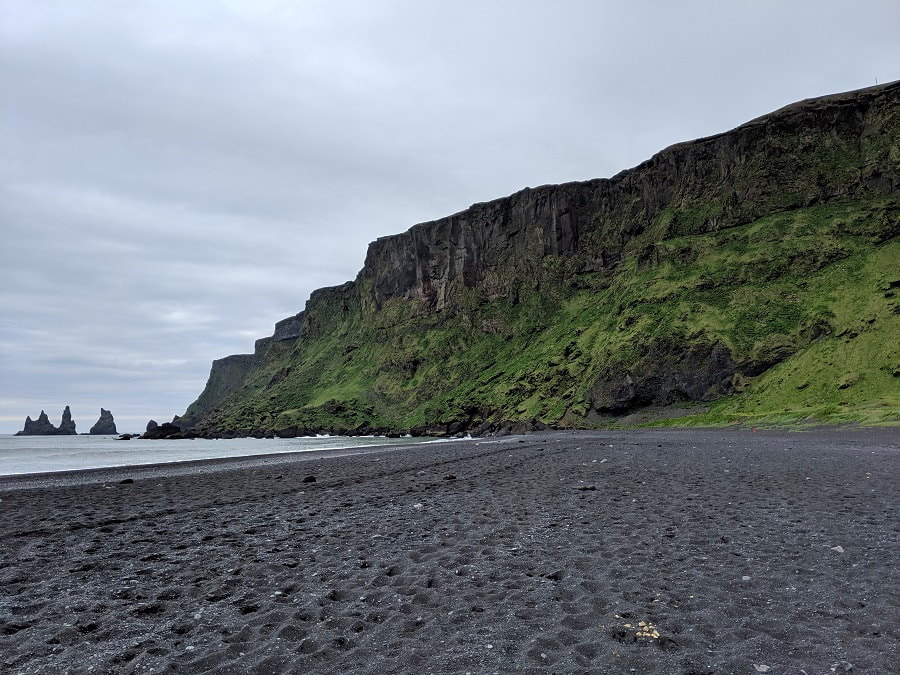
753, 271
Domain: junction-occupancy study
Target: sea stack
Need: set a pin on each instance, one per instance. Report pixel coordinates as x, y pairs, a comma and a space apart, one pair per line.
42, 426
67, 426
106, 425
39, 427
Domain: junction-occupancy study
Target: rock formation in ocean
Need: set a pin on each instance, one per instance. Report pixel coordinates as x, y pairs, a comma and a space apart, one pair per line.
754, 268
43, 427
105, 425
67, 426
39, 427
162, 431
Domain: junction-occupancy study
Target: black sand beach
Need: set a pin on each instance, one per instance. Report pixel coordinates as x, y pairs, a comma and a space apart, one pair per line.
611, 552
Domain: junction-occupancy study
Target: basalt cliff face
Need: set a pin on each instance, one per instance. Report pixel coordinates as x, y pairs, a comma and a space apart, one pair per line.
755, 269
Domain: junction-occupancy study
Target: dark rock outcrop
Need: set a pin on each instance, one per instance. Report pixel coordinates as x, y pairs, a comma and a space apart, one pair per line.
42, 426
105, 425
39, 427
67, 426
151, 425
667, 373
698, 186
161, 431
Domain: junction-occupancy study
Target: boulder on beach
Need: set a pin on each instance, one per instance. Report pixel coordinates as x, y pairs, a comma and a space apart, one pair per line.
105, 424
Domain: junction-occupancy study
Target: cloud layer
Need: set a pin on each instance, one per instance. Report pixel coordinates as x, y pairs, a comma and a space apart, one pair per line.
176, 177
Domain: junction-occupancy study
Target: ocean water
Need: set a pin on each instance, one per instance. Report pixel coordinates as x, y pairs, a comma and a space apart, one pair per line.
37, 454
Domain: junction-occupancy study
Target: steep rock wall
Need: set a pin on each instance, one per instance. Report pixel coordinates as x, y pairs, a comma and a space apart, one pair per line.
806, 153
814, 152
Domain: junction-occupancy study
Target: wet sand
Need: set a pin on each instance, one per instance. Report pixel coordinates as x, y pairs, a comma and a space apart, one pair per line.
616, 552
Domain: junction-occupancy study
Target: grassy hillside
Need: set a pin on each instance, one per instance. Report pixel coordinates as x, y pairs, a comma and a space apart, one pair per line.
805, 303
747, 277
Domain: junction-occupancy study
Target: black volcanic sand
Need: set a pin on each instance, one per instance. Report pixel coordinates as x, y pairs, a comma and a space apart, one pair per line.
558, 552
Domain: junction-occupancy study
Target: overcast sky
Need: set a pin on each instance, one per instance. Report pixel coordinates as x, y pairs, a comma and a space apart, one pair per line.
177, 176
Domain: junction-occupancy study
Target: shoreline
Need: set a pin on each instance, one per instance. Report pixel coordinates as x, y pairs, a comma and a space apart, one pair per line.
539, 553
182, 467
886, 434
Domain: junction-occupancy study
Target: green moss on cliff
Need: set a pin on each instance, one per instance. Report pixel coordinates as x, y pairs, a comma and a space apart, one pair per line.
849, 376
805, 292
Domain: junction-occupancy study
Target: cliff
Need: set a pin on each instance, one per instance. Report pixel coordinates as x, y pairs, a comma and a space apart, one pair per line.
694, 276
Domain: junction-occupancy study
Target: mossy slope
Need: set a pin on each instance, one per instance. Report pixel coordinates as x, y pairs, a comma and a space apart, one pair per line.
765, 281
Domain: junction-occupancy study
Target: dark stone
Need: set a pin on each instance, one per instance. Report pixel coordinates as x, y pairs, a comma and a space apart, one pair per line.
309, 479
455, 428
127, 481
166, 430
105, 425
622, 635
667, 372
151, 425
449, 476
42, 426
667, 644
39, 427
